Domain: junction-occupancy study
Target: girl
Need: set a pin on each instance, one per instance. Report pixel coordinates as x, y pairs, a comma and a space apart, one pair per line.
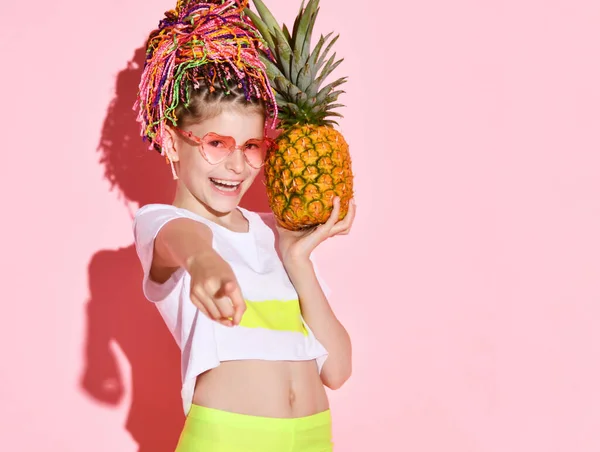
240, 295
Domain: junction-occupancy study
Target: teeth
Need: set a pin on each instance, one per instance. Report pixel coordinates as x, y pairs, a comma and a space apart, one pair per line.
226, 182
225, 185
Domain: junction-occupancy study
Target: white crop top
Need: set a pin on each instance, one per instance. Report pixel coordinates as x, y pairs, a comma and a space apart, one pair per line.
272, 327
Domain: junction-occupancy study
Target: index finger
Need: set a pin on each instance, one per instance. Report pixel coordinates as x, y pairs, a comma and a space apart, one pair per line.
346, 223
239, 305
335, 214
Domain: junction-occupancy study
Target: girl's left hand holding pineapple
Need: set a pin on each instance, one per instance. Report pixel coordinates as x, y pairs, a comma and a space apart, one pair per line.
297, 246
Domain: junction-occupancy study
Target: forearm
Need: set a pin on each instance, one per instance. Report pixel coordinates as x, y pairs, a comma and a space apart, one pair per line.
179, 241
321, 319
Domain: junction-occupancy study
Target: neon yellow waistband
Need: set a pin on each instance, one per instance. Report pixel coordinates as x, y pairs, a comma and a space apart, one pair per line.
213, 430
202, 413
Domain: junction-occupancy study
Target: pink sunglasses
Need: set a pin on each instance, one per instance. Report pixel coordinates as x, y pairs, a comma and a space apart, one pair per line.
216, 148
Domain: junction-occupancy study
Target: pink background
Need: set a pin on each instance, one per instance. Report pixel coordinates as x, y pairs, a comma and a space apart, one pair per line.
470, 284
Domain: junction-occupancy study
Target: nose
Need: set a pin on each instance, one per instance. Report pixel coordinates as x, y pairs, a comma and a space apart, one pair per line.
236, 161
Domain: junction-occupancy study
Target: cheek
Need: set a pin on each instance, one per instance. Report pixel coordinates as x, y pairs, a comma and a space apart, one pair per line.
193, 167
252, 175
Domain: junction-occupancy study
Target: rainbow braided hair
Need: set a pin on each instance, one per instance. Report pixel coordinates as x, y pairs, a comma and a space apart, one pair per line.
209, 42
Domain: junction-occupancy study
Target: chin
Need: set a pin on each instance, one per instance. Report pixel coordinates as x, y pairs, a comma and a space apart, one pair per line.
225, 200
222, 207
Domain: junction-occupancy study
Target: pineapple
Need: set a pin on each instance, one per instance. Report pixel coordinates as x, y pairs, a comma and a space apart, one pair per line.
310, 162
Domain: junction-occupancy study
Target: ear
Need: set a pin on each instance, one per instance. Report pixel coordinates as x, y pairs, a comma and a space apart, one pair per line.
169, 144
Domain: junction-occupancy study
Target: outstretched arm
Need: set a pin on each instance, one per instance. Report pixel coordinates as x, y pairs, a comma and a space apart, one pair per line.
214, 288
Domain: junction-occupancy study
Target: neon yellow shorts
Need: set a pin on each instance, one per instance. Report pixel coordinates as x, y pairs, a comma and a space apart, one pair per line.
211, 430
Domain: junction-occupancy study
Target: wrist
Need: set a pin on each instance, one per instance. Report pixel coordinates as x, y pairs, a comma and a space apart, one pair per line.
298, 264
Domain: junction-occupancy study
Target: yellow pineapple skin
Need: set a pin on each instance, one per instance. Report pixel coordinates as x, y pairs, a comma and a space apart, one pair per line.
308, 166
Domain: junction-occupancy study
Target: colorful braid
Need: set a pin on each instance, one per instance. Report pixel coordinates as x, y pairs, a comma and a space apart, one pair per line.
200, 42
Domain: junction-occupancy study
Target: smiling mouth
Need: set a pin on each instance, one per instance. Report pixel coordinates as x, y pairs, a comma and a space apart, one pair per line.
226, 185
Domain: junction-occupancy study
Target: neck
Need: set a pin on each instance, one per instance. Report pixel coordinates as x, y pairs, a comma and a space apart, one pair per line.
184, 199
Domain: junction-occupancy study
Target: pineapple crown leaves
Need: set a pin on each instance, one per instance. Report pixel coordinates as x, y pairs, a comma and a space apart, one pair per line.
297, 73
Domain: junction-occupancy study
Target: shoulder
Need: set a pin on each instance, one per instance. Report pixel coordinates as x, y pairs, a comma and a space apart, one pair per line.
162, 212
267, 218
150, 209
263, 219
151, 213
152, 217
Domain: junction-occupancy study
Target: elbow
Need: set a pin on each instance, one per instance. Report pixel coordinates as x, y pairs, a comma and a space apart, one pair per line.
336, 384
337, 368
335, 379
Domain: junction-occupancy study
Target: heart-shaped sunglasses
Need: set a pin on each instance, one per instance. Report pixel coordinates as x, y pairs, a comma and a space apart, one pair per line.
216, 148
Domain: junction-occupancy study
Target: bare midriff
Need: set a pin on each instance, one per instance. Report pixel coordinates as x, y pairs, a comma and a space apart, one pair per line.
282, 389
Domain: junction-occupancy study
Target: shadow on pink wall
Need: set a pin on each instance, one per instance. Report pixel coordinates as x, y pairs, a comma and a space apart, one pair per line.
117, 310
